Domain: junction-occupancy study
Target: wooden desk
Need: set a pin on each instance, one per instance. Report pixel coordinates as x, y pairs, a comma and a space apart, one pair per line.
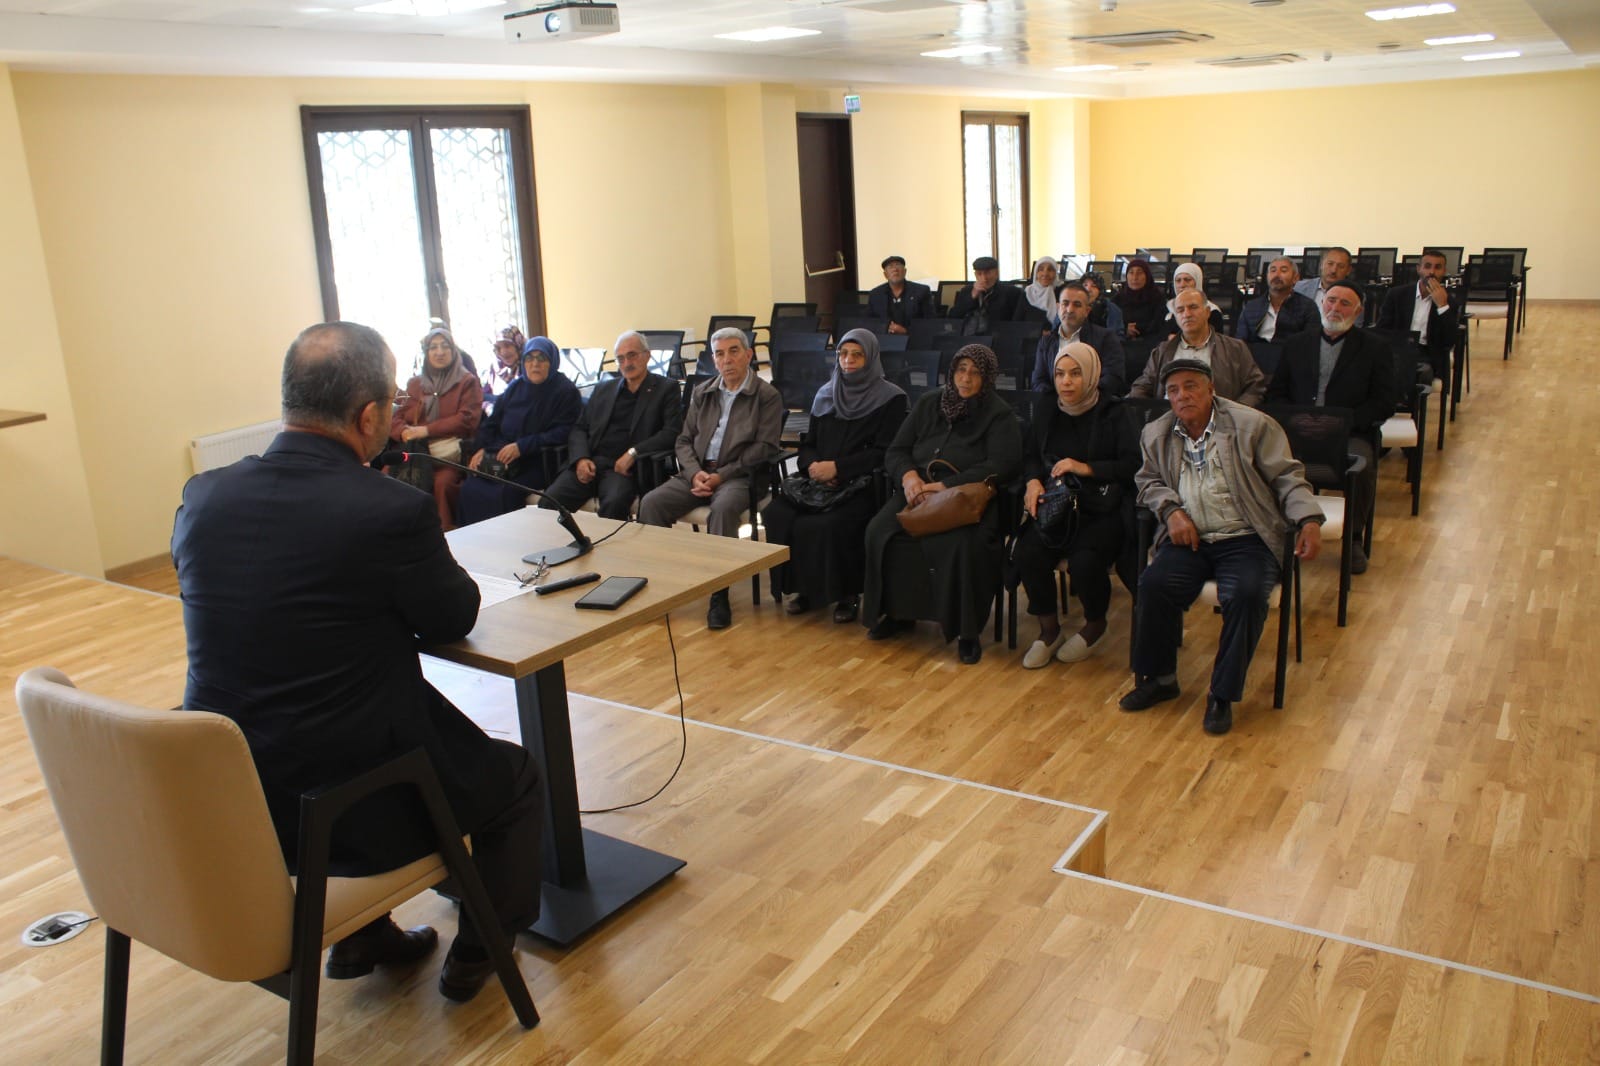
18, 418
588, 876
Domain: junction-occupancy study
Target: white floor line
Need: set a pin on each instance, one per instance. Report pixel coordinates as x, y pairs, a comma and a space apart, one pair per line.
1100, 816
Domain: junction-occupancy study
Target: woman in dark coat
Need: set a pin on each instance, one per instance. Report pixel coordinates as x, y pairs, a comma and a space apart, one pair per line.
853, 421
442, 407
1143, 305
537, 411
1080, 431
965, 433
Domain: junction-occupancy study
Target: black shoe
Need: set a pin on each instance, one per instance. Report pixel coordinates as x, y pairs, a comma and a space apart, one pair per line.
845, 611
1148, 693
1358, 559
719, 615
797, 605
461, 980
887, 627
1219, 716
970, 650
377, 944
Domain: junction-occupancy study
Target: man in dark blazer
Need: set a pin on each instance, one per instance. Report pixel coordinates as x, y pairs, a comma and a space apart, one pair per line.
731, 431
636, 412
987, 300
1358, 374
308, 582
1290, 312
1425, 308
897, 300
1073, 307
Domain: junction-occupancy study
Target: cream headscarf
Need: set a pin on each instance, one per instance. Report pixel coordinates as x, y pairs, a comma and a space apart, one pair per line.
1088, 361
1192, 270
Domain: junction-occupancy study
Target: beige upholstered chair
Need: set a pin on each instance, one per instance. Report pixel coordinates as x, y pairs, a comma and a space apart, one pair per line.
168, 828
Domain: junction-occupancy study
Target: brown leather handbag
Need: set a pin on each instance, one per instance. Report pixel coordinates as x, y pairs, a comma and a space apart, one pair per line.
947, 509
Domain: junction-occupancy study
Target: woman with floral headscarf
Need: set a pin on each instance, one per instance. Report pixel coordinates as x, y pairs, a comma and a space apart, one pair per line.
961, 434
442, 407
536, 412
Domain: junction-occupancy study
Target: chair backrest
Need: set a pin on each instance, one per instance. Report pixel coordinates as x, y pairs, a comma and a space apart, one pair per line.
1107, 268
1265, 255
1162, 254
922, 332
780, 311
797, 375
1310, 265
912, 369
167, 825
1519, 256
1267, 355
1386, 259
1411, 365
1405, 272
744, 322
843, 324
1364, 268
666, 351
893, 342
794, 324
947, 292
1209, 255
798, 341
1489, 276
1020, 401
1320, 438
582, 366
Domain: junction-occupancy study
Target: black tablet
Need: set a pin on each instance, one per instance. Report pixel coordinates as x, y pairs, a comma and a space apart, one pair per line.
611, 593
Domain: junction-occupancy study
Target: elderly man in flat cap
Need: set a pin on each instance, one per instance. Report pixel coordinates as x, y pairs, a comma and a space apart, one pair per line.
899, 301
987, 300
1221, 481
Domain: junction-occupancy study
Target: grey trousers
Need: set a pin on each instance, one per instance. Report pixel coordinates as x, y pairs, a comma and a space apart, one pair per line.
671, 500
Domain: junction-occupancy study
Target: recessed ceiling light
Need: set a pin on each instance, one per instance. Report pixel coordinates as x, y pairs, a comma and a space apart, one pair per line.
771, 33
961, 51
1491, 55
1087, 68
427, 8
1471, 38
1415, 11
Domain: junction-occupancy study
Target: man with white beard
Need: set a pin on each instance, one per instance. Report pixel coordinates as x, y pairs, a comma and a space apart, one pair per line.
1343, 366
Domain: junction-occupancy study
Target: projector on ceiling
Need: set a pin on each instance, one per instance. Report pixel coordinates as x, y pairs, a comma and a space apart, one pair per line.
563, 22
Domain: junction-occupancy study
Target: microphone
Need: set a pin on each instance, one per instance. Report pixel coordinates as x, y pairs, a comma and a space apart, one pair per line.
581, 544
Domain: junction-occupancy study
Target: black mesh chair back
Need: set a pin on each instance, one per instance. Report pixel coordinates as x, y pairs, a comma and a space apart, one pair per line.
847, 306
1496, 272
1452, 258
1310, 265
744, 322
1518, 257
1021, 403
797, 375
809, 323
1405, 271
1386, 259
1136, 354
1144, 410
1364, 269
796, 343
582, 365
1163, 254
947, 293
1209, 255
893, 342
1249, 269
1320, 438
909, 369
1119, 268
1267, 355
843, 324
1160, 272
921, 333
1263, 256
1011, 337
666, 351
1106, 268
782, 311
1411, 366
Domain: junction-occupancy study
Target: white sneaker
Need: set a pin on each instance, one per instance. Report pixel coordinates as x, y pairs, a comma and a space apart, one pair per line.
1039, 653
1076, 649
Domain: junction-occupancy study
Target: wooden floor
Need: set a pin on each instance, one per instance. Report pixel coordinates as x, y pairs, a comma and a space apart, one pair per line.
1291, 892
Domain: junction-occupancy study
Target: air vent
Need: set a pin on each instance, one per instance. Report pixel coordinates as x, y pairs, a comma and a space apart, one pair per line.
1145, 38
1276, 59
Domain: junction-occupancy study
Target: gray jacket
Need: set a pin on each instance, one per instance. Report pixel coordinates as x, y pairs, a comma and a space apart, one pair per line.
1234, 372
1269, 484
755, 425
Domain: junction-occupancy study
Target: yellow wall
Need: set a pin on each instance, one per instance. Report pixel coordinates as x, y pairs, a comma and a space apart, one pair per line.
1514, 166
46, 517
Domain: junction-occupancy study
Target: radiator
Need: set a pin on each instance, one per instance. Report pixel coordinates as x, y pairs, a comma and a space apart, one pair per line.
220, 449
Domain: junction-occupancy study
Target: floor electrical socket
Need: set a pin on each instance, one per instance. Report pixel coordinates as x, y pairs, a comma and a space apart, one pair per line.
55, 929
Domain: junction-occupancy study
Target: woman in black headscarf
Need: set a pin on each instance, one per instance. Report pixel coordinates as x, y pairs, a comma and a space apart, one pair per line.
853, 421
442, 407
1143, 304
961, 434
537, 411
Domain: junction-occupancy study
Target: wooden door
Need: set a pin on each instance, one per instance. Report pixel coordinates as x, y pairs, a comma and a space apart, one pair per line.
827, 209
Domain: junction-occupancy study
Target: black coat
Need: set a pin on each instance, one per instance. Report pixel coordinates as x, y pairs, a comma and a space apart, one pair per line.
1112, 448
1297, 315
1363, 377
1400, 303
657, 417
1113, 371
308, 582
1003, 303
916, 301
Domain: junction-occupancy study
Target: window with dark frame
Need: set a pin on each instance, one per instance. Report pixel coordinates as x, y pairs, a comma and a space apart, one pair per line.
994, 157
425, 216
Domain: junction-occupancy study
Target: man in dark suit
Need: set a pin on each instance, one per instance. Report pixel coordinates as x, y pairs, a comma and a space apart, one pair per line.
1425, 308
986, 301
308, 582
1073, 308
1342, 366
636, 412
1280, 312
897, 300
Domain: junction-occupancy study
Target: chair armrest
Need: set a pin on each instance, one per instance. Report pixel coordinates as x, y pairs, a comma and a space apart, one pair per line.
1358, 463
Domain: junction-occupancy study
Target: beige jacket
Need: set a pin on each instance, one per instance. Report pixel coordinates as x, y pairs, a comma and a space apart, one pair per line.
755, 425
1233, 370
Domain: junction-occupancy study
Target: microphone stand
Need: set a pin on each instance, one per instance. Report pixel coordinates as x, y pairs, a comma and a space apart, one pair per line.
581, 545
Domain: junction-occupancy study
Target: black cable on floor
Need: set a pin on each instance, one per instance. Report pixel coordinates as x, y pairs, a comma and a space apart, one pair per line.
683, 729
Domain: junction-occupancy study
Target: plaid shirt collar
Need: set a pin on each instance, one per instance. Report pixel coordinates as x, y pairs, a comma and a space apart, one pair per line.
1195, 450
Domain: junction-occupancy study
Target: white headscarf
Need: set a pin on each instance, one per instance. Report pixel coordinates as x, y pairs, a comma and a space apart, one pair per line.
1192, 270
1042, 296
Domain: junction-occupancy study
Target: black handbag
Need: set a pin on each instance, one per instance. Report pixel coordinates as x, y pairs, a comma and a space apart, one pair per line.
1057, 514
815, 497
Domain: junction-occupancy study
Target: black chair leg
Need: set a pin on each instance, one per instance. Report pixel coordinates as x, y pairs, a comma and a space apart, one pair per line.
1299, 648
476, 906
114, 1010
1283, 647
1344, 567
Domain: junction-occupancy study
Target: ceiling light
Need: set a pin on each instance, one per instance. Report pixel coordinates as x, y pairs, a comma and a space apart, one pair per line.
1415, 11
1471, 38
1491, 55
961, 51
427, 8
771, 33
1087, 68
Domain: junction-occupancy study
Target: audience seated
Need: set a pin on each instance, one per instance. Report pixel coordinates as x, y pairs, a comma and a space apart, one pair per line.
987, 300
961, 434
1141, 302
1075, 326
1237, 377
1188, 277
1078, 432
536, 412
1225, 490
635, 412
1042, 291
1102, 312
498, 376
854, 419
897, 300
441, 410
1336, 265
1425, 308
1343, 366
731, 432
1280, 312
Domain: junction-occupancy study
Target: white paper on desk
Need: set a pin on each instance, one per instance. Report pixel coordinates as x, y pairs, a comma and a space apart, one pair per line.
493, 590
